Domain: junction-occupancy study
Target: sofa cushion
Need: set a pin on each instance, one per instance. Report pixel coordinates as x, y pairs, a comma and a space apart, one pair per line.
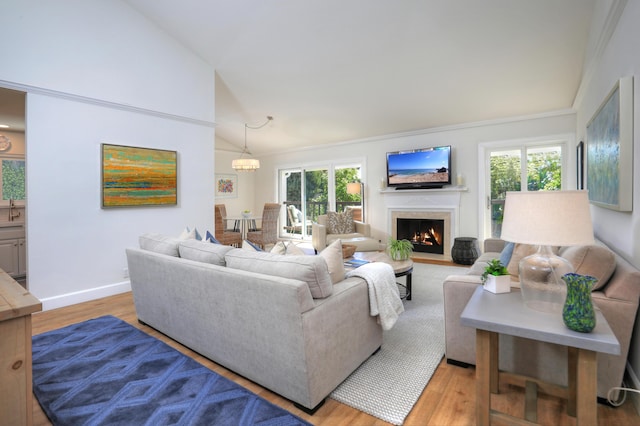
596, 261
332, 254
159, 243
311, 269
340, 223
190, 234
203, 251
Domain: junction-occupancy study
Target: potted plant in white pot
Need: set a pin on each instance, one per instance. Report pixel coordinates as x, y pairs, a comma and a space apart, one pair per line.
496, 278
400, 249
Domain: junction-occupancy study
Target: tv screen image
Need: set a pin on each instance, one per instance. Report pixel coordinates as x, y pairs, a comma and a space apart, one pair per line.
420, 168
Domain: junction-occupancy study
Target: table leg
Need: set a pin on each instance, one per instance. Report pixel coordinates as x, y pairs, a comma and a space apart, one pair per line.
409, 286
483, 377
587, 388
572, 371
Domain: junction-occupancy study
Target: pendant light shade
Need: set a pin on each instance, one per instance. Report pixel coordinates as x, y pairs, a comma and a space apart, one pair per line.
248, 164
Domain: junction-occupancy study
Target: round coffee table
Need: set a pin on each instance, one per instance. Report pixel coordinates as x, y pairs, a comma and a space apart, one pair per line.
401, 268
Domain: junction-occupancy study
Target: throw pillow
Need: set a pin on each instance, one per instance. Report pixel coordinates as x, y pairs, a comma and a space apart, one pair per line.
520, 251
310, 269
596, 261
332, 254
209, 237
340, 223
248, 245
159, 243
507, 252
202, 251
284, 248
187, 234
190, 234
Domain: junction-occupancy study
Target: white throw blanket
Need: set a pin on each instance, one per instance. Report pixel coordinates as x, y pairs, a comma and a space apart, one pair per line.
384, 297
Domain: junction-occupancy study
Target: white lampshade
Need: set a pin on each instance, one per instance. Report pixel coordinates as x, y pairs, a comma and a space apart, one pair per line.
354, 187
553, 218
546, 219
245, 164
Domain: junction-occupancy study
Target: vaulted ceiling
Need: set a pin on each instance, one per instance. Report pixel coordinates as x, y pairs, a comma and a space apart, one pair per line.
340, 70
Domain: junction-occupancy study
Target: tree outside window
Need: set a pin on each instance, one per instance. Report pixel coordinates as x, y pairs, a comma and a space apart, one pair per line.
13, 179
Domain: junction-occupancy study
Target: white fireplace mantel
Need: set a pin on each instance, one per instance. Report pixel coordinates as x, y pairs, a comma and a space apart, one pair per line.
441, 203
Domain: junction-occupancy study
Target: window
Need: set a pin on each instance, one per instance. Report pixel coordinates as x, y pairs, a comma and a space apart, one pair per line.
312, 191
13, 179
523, 167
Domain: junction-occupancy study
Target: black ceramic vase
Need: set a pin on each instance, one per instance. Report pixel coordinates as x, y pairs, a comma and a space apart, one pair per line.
578, 313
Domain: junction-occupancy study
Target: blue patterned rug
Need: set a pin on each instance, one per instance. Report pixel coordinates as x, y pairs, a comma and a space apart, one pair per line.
107, 372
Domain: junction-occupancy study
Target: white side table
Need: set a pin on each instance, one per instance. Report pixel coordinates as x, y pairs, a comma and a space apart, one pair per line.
493, 314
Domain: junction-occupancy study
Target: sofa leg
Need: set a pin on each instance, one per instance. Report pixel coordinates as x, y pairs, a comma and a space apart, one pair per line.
310, 411
458, 363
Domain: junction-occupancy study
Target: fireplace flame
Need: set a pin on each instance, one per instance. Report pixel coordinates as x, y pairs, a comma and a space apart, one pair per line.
428, 238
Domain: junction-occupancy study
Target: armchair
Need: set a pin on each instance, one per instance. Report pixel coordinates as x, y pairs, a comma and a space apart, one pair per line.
361, 238
296, 222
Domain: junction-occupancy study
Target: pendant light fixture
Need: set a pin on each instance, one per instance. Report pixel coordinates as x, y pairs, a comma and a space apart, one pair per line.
248, 164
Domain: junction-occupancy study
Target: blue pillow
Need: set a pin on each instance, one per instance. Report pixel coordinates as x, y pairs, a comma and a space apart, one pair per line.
211, 238
505, 255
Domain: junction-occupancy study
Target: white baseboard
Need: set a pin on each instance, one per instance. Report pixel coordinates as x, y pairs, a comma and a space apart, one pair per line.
85, 295
635, 384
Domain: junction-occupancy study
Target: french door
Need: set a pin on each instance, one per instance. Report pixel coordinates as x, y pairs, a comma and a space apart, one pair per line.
519, 167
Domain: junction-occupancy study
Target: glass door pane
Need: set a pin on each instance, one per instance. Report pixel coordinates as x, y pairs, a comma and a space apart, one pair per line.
304, 194
316, 185
343, 176
544, 168
506, 175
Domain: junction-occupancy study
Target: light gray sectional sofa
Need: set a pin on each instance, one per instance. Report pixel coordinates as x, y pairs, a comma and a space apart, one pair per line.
276, 320
617, 294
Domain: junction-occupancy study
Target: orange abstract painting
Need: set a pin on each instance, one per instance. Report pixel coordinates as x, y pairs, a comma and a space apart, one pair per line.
134, 176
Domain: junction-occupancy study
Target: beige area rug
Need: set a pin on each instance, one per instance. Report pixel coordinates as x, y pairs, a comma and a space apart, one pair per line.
390, 382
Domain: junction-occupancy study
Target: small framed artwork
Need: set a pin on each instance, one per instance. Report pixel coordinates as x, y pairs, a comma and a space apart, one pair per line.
610, 150
134, 176
580, 166
226, 186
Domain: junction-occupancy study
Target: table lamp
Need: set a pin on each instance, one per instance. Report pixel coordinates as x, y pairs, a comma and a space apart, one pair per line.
546, 219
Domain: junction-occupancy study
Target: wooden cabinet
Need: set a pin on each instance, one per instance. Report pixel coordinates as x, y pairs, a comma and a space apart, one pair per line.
13, 250
16, 387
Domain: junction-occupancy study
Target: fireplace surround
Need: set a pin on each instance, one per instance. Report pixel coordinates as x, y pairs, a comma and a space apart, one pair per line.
427, 204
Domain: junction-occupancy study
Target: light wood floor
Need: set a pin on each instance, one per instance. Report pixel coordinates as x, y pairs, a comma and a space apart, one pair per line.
449, 399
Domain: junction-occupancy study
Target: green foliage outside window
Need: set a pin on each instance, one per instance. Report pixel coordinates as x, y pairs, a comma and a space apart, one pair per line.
13, 180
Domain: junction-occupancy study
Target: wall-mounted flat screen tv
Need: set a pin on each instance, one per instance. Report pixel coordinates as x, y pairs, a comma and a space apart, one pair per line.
419, 168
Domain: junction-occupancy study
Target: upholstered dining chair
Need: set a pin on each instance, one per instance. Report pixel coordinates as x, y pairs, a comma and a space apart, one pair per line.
228, 238
268, 233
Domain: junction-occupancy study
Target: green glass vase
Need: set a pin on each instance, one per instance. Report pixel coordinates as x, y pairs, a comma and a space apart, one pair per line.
578, 313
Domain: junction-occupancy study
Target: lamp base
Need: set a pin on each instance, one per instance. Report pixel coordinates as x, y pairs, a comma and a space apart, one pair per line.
541, 282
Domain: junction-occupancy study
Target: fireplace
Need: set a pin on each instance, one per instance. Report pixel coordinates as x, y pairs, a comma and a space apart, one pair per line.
426, 235
430, 230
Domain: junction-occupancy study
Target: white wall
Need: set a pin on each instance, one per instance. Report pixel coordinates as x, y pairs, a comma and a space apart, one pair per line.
620, 58
96, 71
246, 186
463, 139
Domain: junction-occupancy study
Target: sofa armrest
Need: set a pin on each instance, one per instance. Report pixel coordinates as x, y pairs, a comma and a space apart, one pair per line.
363, 228
494, 245
318, 236
459, 340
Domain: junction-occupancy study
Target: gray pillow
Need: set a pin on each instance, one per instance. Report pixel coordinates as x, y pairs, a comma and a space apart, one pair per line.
596, 261
203, 251
311, 269
159, 243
